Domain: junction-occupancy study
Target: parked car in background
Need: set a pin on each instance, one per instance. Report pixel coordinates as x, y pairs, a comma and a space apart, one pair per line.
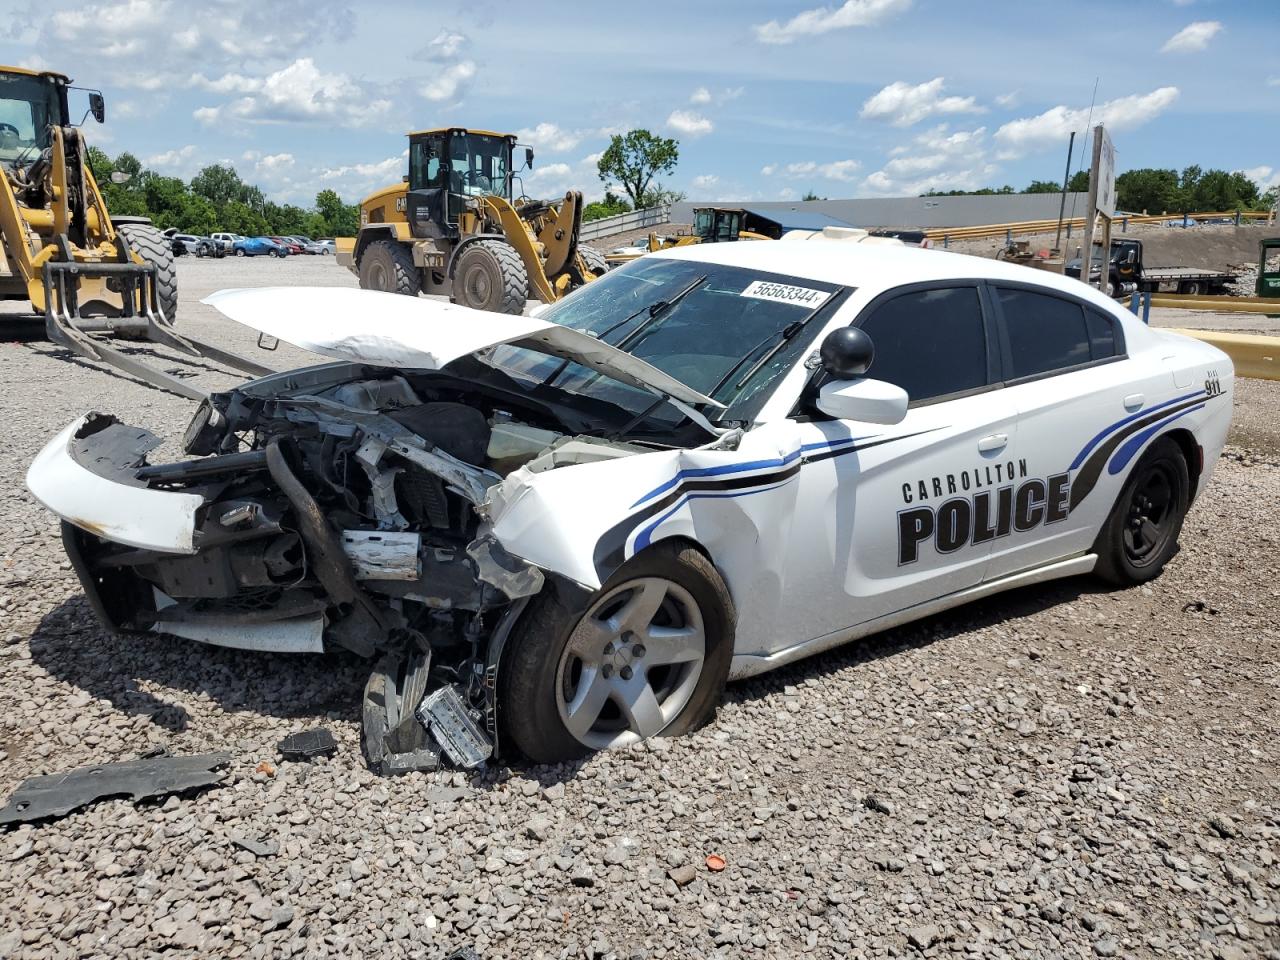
259, 246
327, 245
290, 244
227, 240
184, 243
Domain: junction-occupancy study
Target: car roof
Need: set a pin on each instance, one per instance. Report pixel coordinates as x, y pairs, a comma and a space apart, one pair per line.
874, 267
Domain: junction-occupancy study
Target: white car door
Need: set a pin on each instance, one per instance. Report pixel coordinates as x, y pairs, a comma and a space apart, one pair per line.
891, 516
1073, 389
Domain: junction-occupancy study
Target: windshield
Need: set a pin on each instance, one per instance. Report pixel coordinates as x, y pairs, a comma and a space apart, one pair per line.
28, 105
728, 332
478, 164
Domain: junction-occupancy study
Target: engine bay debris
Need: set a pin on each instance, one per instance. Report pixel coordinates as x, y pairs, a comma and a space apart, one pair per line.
58, 794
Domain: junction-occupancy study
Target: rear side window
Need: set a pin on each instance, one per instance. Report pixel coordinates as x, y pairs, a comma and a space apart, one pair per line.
929, 342
1045, 333
1103, 340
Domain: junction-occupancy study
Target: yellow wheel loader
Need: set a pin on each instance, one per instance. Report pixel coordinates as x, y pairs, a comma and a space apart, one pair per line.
453, 227
89, 274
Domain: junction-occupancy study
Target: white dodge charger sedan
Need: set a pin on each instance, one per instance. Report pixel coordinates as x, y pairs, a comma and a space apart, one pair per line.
569, 530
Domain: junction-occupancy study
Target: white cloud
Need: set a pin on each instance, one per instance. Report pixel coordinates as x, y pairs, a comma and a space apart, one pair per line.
302, 93
171, 158
1052, 127
227, 83
704, 181
207, 115
842, 170
551, 138
1192, 37
851, 13
903, 104
1007, 99
937, 159
448, 83
700, 96
275, 161
1265, 177
450, 71
689, 122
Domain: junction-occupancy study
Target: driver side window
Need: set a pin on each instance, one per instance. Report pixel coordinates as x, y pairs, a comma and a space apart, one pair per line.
932, 343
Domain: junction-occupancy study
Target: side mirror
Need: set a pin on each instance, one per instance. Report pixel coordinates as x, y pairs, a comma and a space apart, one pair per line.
98, 107
528, 157
865, 400
119, 176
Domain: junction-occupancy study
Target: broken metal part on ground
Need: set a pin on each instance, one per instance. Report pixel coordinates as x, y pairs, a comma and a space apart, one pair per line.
57, 794
307, 744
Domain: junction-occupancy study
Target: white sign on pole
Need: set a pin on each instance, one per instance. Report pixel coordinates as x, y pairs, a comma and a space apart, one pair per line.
1104, 169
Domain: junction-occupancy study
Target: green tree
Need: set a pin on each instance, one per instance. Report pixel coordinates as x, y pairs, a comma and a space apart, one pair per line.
340, 219
1147, 189
610, 206
1043, 186
634, 159
238, 217
218, 184
810, 195
1079, 182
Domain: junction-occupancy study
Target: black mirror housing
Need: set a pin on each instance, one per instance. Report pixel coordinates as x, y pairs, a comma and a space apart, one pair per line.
846, 353
98, 107
528, 157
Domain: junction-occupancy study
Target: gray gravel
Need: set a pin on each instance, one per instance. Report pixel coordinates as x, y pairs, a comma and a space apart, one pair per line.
1060, 772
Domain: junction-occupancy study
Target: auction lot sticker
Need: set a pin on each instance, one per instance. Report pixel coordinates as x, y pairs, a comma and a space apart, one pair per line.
785, 293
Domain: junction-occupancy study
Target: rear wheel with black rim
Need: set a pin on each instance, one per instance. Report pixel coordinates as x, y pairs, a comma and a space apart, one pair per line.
648, 656
490, 276
1141, 534
388, 266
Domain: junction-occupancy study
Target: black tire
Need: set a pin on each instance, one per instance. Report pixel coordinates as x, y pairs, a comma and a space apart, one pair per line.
240, 252
282, 253
490, 276
531, 669
388, 266
1191, 287
150, 244
594, 260
1141, 533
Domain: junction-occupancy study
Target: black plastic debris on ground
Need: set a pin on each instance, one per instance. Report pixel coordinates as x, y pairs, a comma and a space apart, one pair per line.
307, 744
57, 794
394, 741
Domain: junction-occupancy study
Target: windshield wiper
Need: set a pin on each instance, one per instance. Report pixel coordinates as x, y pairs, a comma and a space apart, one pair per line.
656, 309
786, 334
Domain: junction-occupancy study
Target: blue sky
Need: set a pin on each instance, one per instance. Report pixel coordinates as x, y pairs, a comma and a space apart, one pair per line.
768, 99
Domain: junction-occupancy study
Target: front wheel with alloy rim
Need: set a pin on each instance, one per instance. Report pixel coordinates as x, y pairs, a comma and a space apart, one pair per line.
1141, 534
647, 656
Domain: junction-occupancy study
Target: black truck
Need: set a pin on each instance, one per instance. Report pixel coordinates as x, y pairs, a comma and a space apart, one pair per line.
1127, 274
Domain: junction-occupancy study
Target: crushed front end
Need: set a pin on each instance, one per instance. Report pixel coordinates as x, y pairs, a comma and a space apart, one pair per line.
333, 506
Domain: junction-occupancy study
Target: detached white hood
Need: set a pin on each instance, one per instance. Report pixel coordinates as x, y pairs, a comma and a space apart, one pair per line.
391, 330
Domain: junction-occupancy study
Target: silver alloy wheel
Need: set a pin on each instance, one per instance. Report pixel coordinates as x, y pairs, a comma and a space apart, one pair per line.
631, 664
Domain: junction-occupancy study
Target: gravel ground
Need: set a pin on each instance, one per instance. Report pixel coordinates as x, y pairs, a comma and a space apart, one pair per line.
1064, 771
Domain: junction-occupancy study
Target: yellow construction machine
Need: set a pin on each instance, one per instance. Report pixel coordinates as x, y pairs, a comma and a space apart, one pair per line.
60, 249
454, 226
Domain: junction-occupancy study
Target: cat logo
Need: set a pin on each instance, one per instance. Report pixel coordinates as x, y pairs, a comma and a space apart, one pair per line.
402, 204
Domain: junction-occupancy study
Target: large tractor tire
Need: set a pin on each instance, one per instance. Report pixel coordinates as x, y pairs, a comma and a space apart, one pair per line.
388, 266
490, 276
154, 248
594, 260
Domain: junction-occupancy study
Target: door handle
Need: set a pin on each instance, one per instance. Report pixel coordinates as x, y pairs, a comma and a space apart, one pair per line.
997, 441
1134, 401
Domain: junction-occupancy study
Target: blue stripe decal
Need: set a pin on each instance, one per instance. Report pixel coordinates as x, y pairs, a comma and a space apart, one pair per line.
1135, 443
693, 472
1075, 464
643, 538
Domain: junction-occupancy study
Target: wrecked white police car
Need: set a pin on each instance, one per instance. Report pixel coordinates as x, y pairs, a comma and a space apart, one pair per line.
570, 530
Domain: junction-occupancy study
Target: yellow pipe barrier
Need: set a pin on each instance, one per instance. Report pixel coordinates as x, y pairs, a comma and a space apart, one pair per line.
1252, 355
1219, 305
986, 231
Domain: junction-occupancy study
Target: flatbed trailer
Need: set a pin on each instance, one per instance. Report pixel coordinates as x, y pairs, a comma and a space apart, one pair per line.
1127, 274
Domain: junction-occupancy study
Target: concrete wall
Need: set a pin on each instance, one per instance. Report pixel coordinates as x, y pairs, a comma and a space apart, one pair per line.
916, 212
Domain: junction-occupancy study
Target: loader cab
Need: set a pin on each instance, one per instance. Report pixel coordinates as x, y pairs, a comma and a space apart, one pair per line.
30, 103
1269, 268
717, 224
449, 166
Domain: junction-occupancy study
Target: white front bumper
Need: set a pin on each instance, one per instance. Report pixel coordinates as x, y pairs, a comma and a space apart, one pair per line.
134, 516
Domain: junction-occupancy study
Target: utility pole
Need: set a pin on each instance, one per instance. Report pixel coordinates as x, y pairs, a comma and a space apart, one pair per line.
1062, 207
